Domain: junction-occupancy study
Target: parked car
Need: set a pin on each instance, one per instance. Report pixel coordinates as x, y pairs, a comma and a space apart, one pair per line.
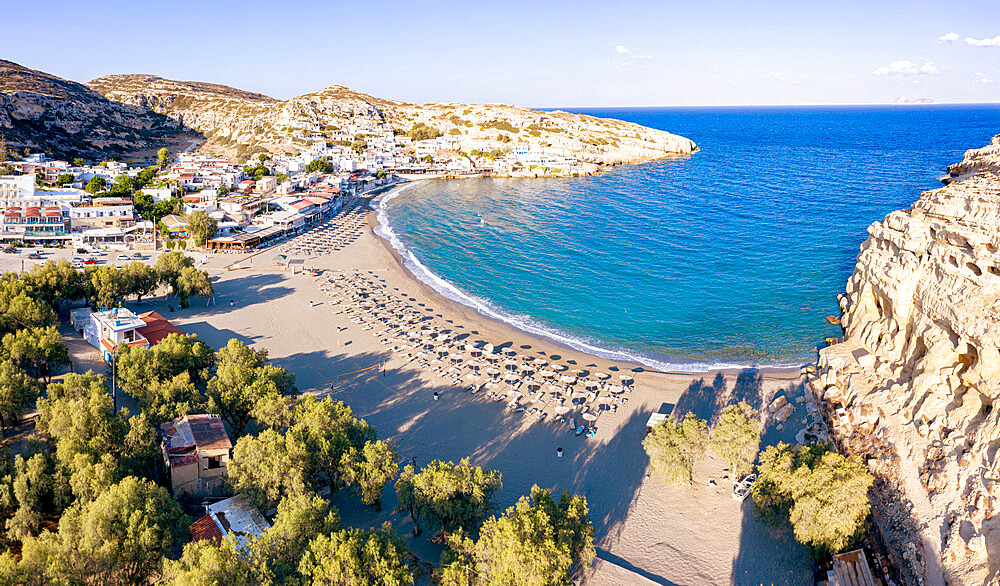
137, 256
122, 256
10, 250
77, 263
82, 251
90, 261
34, 254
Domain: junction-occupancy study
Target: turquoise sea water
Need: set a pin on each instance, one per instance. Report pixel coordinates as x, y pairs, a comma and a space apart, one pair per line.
732, 256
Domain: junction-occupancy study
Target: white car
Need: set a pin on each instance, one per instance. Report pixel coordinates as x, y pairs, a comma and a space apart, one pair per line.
137, 256
77, 263
122, 256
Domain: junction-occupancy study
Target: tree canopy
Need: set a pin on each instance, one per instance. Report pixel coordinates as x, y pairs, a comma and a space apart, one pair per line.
39, 351
242, 380
674, 446
319, 165
736, 437
538, 541
353, 556
447, 496
823, 494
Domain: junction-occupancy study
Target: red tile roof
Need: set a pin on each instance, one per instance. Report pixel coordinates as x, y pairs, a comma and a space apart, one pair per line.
157, 327
205, 527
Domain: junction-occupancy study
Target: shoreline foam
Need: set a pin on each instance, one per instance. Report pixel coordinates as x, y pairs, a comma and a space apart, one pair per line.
525, 323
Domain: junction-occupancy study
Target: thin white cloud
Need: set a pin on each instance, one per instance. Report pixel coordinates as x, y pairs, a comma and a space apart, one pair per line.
947, 38
906, 67
994, 42
778, 76
981, 78
627, 58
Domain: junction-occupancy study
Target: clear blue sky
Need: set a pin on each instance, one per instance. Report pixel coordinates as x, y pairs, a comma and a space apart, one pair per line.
536, 54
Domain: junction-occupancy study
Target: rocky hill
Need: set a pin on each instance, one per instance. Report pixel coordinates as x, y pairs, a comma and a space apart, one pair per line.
45, 113
918, 371
237, 123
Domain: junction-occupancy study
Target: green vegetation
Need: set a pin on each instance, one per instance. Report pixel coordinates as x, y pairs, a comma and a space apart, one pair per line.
319, 165
538, 541
353, 556
359, 146
65, 179
674, 447
243, 381
202, 227
96, 185
736, 437
421, 131
447, 496
162, 158
823, 494
500, 125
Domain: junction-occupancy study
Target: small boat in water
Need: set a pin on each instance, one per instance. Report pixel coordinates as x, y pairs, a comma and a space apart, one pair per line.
741, 489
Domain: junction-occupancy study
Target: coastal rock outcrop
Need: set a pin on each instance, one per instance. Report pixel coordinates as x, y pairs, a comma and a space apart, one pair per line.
913, 383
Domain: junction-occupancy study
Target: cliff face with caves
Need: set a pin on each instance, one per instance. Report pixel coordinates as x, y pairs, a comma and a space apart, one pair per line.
913, 383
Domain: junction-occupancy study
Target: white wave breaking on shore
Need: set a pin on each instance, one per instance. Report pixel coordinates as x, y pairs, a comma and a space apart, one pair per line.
525, 323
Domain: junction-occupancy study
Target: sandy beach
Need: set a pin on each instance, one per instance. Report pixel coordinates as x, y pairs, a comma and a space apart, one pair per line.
646, 531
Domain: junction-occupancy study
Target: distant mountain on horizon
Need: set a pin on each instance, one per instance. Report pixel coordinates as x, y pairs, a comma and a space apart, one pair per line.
902, 100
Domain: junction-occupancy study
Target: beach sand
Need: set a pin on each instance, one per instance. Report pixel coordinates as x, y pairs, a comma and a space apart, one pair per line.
646, 531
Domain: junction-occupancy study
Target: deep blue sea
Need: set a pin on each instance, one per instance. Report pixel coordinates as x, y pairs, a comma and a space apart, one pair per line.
732, 256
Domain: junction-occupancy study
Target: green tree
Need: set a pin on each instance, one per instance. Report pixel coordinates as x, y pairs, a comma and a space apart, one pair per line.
176, 354
31, 490
822, 493
207, 563
359, 145
108, 286
167, 399
421, 131
242, 379
169, 267
736, 437
56, 282
40, 351
17, 391
446, 495
319, 165
122, 185
79, 162
19, 309
538, 541
162, 158
674, 447
65, 179
263, 157
193, 282
142, 279
121, 537
94, 446
279, 550
353, 556
202, 227
96, 185
370, 469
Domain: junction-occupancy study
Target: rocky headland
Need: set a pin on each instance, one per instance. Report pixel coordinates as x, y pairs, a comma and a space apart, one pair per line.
913, 382
236, 122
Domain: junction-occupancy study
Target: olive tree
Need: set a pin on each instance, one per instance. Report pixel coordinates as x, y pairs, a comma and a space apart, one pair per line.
538, 541
446, 495
736, 437
674, 447
821, 492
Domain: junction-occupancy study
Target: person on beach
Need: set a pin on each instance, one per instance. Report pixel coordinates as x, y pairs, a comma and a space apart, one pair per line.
559, 452
435, 395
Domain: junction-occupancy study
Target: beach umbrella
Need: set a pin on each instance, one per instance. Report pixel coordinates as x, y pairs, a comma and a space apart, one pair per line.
456, 357
567, 379
605, 399
546, 373
540, 361
510, 352
558, 367
590, 384
510, 364
589, 416
492, 371
625, 378
442, 350
488, 348
511, 377
613, 388
533, 384
471, 376
578, 395
562, 410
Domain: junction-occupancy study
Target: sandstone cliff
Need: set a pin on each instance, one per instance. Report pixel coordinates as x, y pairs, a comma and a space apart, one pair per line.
45, 113
913, 383
237, 122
